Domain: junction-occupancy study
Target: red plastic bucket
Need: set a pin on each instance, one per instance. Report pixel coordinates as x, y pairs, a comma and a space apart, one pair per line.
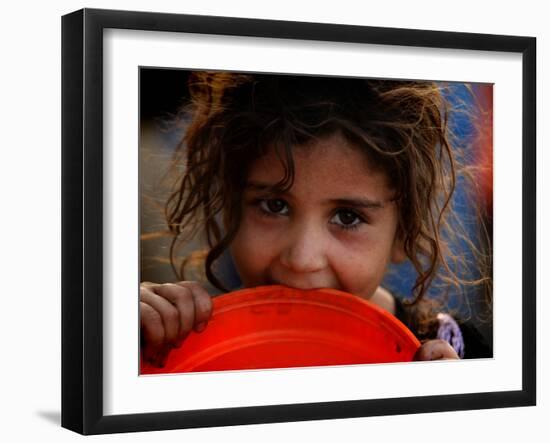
281, 327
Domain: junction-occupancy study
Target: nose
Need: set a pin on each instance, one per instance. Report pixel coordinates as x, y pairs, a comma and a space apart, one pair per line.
304, 249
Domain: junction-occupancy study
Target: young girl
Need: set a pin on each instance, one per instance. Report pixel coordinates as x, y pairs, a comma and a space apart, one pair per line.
314, 183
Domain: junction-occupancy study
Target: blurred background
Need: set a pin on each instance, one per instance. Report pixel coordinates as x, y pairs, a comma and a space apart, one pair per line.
163, 94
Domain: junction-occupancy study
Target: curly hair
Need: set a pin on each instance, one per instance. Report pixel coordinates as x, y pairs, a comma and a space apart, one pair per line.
401, 126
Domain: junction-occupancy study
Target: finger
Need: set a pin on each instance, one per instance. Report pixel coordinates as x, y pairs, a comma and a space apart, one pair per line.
435, 350
152, 331
182, 299
168, 312
203, 304
147, 284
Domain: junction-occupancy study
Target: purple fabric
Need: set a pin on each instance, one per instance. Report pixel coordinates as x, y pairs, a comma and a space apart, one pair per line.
450, 332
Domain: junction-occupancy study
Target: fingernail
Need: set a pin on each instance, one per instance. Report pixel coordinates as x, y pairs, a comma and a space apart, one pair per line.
200, 327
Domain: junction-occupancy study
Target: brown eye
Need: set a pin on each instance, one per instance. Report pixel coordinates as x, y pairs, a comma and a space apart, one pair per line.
347, 219
274, 206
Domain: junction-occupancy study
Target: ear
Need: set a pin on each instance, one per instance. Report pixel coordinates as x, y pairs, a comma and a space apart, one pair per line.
398, 250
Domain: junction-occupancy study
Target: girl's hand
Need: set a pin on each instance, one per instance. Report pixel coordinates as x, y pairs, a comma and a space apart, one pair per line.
168, 312
435, 350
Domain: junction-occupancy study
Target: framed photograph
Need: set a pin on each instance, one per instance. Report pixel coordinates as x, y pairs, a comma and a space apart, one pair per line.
269, 221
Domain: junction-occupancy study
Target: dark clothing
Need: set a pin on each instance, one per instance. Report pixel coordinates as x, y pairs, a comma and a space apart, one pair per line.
475, 344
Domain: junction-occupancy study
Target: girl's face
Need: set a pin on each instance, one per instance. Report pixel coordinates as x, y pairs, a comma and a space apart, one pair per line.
334, 228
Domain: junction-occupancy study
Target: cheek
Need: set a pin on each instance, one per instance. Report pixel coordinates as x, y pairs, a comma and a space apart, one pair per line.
355, 274
360, 267
251, 253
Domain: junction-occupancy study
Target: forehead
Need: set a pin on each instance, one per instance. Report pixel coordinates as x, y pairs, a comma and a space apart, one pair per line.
331, 164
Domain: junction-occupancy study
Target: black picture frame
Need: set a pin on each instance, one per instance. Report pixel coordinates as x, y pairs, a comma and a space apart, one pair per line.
82, 231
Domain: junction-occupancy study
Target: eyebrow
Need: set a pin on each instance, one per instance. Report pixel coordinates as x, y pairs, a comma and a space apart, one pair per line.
354, 202
360, 203
259, 186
